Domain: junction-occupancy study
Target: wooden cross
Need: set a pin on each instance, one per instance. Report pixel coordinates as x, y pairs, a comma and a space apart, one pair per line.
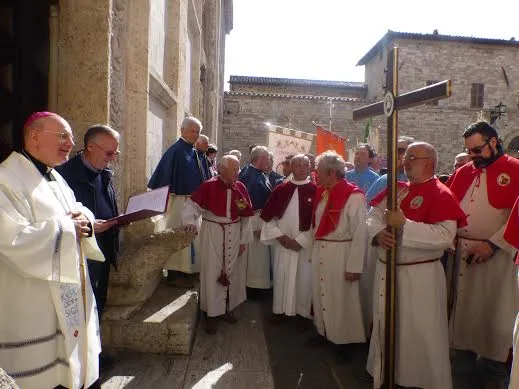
392, 103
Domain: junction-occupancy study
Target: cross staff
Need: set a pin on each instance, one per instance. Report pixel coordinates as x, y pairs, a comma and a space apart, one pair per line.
392, 103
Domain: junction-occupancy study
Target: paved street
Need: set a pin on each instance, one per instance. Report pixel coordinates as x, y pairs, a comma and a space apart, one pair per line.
250, 354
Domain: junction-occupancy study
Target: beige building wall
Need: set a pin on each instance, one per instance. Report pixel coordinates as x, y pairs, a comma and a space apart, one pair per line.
140, 66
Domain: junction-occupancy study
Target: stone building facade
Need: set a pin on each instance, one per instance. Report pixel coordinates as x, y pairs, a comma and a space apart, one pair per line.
484, 74
139, 65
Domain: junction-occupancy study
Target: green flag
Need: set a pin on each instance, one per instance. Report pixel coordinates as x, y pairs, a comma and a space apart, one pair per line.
367, 130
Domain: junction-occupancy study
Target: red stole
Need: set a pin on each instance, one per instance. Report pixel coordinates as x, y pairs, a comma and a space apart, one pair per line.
430, 202
502, 181
337, 198
511, 234
212, 196
278, 202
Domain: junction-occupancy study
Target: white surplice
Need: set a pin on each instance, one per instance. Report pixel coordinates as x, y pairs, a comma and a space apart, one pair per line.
216, 235
182, 260
487, 297
257, 258
292, 270
337, 308
422, 336
45, 340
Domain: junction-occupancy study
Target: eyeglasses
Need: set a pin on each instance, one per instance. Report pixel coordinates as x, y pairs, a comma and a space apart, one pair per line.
64, 136
109, 154
411, 158
478, 149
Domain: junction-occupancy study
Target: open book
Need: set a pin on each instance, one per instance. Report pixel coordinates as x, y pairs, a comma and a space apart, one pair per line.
145, 205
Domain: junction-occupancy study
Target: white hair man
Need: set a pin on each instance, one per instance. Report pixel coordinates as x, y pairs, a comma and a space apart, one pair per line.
461, 159
236, 153
49, 327
225, 208
338, 256
255, 179
428, 216
288, 218
180, 168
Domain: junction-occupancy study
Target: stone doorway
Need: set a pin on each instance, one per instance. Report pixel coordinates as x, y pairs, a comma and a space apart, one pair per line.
24, 65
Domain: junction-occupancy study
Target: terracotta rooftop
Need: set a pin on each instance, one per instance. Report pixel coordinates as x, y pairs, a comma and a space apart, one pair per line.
390, 35
289, 96
295, 82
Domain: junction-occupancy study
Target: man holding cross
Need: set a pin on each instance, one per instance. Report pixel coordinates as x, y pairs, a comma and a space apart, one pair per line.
428, 215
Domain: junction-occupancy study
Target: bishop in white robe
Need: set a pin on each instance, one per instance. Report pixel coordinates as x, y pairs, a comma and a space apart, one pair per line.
49, 331
287, 215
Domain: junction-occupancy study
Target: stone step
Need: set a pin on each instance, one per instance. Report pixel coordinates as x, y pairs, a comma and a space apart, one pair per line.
165, 324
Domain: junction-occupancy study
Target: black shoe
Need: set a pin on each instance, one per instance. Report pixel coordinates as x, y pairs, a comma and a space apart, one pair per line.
229, 318
316, 341
211, 325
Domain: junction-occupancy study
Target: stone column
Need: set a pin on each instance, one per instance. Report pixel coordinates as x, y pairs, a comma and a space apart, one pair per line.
83, 63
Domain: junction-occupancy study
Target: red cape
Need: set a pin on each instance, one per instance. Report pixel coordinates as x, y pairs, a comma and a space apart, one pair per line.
278, 202
430, 202
337, 198
502, 181
212, 196
511, 234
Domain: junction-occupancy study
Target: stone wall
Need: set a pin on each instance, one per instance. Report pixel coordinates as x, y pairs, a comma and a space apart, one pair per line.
245, 115
464, 64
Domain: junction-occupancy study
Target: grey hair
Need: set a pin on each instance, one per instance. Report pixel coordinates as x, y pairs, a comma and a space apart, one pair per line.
98, 129
204, 137
406, 139
191, 120
236, 153
430, 152
331, 162
298, 157
224, 161
257, 152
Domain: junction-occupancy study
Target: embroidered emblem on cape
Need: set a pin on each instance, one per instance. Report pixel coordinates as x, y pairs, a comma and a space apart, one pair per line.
503, 179
416, 202
241, 204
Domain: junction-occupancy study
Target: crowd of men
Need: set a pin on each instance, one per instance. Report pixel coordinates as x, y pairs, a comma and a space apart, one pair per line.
317, 235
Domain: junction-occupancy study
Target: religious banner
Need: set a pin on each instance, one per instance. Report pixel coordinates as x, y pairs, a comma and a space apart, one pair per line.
282, 144
327, 140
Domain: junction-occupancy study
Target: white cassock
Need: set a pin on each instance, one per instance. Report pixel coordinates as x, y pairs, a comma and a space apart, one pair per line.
422, 345
45, 340
487, 298
337, 308
292, 270
221, 238
182, 260
258, 258
514, 376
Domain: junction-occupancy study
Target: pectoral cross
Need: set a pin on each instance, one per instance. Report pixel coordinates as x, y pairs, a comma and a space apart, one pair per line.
392, 103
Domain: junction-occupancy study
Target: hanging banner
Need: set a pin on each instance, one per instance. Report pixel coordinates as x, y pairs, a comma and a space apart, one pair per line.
282, 144
327, 140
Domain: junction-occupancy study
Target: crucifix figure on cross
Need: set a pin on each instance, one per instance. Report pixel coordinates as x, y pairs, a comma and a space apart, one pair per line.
392, 103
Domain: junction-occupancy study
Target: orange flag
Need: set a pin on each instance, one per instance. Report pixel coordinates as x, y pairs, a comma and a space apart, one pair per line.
327, 140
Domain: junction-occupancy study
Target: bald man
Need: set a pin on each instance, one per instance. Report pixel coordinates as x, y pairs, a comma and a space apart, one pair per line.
225, 208
428, 216
48, 321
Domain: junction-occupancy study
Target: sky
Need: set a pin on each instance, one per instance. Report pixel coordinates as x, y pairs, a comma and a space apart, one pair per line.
324, 39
